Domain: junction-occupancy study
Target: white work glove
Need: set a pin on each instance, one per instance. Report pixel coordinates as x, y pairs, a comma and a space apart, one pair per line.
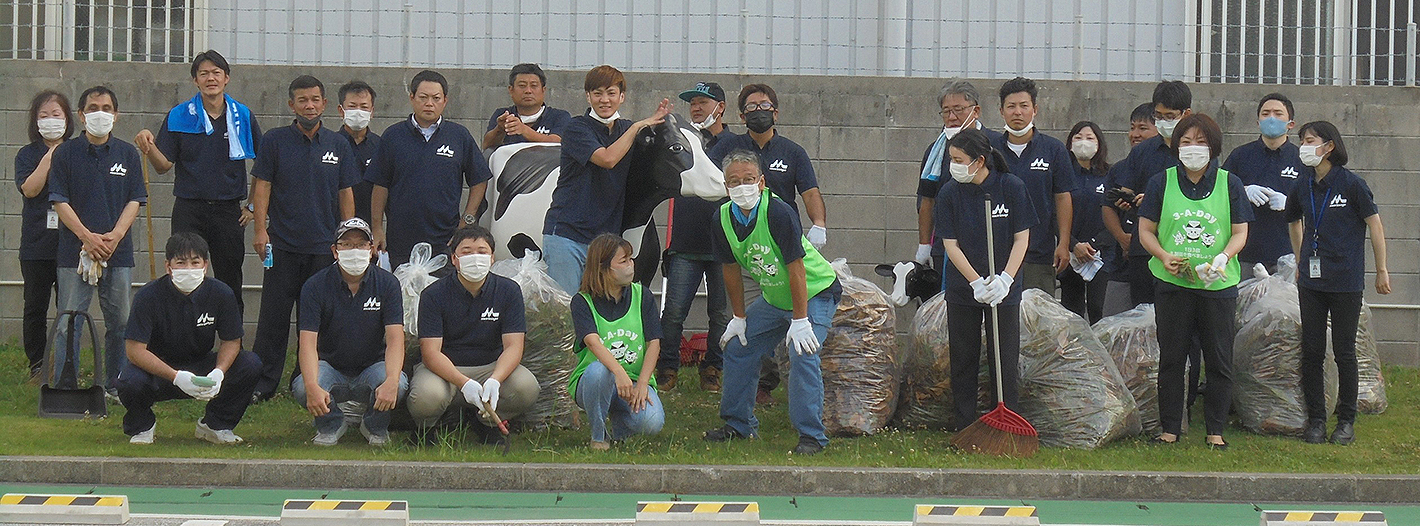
472, 392
734, 329
1205, 273
1278, 201
924, 254
1220, 264
490, 393
89, 270
183, 380
801, 336
980, 290
998, 287
1258, 194
818, 237
216, 376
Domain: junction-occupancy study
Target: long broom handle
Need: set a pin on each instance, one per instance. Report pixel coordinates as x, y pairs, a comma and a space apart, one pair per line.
148, 211
995, 318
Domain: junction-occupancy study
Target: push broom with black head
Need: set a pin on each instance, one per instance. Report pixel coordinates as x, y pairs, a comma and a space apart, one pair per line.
1000, 432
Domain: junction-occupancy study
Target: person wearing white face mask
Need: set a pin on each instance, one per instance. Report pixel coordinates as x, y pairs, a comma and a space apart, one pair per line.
96, 186
351, 342
1269, 167
357, 107
1093, 251
529, 119
1193, 221
51, 123
471, 335
176, 319
618, 343
1043, 163
960, 110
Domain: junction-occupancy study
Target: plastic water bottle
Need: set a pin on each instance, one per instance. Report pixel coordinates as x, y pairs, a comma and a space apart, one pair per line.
266, 263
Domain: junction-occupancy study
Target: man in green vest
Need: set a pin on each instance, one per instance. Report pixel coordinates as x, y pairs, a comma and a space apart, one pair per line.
760, 233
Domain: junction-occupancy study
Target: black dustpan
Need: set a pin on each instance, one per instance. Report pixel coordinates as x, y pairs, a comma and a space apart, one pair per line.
62, 397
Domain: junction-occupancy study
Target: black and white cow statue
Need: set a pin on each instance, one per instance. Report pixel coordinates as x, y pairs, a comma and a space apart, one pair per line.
667, 160
911, 279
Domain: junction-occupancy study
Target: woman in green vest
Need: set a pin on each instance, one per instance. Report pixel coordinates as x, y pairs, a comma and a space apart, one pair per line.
1193, 222
618, 340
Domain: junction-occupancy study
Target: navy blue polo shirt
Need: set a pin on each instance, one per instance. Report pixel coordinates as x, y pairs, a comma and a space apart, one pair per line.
1239, 208
929, 188
588, 199
426, 181
1145, 160
785, 165
584, 323
306, 176
1255, 163
1047, 168
960, 214
204, 166
98, 182
38, 242
472, 328
364, 152
350, 328
690, 217
783, 228
181, 329
1342, 243
552, 121
1088, 224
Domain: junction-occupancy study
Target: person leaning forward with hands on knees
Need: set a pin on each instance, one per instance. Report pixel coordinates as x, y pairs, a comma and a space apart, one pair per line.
1329, 212
1193, 221
799, 294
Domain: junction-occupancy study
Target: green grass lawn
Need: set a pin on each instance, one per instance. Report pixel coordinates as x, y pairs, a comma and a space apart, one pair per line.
279, 429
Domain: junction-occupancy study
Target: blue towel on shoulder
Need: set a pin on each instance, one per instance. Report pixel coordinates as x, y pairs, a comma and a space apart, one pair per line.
190, 117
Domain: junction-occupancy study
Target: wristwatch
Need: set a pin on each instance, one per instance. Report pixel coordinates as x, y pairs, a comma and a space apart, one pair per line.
469, 219
251, 208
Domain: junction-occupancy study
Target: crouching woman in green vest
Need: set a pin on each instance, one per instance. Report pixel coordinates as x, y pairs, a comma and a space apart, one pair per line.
618, 340
1193, 222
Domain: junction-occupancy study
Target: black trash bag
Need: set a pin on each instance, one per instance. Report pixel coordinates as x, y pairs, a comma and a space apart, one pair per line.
1267, 361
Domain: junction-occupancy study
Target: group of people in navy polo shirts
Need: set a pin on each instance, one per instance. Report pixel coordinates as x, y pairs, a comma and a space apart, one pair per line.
1169, 224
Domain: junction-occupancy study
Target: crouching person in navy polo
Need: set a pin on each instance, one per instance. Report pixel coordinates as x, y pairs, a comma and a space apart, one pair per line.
351, 343
170, 335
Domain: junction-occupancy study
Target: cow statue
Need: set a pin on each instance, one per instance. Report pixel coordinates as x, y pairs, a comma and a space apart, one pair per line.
667, 160
911, 279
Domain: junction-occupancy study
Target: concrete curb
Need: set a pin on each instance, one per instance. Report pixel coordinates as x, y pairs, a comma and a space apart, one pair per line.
722, 480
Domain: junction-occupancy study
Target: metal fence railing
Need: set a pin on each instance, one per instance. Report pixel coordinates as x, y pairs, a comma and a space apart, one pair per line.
1338, 42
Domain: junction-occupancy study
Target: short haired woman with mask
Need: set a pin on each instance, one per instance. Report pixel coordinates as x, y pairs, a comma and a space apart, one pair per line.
618, 336
51, 122
1193, 222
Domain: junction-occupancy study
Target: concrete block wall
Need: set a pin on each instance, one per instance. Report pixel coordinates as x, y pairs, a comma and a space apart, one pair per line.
865, 135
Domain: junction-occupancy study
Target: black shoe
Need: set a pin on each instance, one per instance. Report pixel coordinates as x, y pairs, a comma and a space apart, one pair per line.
723, 433
425, 437
1315, 432
807, 446
1344, 434
486, 434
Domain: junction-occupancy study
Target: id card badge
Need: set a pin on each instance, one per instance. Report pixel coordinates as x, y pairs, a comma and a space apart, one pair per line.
1314, 268
51, 220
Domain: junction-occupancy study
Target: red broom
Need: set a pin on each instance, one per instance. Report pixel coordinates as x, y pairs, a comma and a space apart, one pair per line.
1001, 432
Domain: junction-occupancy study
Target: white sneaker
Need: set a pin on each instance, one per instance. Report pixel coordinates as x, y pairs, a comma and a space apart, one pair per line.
145, 437
329, 439
223, 437
375, 440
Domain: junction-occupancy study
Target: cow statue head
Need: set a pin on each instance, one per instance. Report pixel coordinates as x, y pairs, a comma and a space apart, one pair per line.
911, 279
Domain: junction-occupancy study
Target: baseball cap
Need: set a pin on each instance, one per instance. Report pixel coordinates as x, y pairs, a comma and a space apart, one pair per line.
704, 89
353, 223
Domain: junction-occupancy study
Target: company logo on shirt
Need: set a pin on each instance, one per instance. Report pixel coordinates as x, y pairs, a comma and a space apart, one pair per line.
206, 319
445, 151
367, 161
1289, 172
1039, 164
543, 130
1338, 202
489, 315
1000, 211
330, 158
372, 304
779, 166
1100, 189
117, 170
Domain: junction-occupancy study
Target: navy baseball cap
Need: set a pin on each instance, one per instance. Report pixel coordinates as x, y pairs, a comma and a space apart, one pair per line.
704, 89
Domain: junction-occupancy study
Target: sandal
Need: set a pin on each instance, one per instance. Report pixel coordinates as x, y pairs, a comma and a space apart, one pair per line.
1160, 440
1215, 446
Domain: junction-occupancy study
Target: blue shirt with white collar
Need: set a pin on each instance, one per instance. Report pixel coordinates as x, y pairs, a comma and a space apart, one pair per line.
98, 182
1255, 163
306, 176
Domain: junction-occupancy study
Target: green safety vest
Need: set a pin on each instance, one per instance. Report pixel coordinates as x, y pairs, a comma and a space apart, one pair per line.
624, 337
1197, 231
760, 255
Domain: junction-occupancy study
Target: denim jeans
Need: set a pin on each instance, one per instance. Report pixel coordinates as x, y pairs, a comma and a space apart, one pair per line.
565, 260
766, 327
596, 392
115, 298
344, 388
682, 280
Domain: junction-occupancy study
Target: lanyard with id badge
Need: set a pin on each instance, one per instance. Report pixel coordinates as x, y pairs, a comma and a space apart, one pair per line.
1314, 262
51, 220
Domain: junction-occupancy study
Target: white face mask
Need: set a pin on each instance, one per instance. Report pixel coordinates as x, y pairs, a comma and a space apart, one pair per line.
1166, 127
354, 261
1308, 154
1021, 132
624, 275
529, 119
745, 196
187, 279
357, 119
1084, 150
474, 267
961, 172
952, 131
98, 123
608, 120
709, 121
51, 128
1194, 157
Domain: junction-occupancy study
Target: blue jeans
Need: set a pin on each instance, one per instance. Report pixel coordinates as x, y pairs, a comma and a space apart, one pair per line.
115, 298
596, 392
565, 260
766, 327
682, 280
343, 388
